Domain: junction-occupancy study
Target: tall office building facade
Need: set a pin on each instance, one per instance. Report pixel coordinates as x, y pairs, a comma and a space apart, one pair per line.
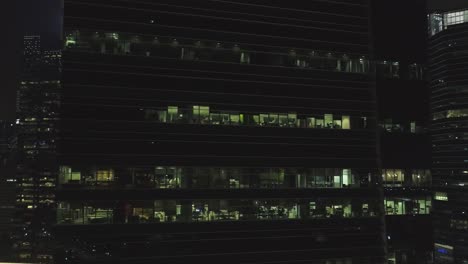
218, 131
37, 115
448, 31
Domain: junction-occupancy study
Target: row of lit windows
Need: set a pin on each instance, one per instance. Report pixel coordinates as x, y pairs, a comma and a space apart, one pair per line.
25, 180
32, 204
213, 178
441, 196
407, 206
441, 21
185, 49
455, 113
113, 43
212, 210
46, 184
205, 115
30, 194
397, 177
38, 119
26, 83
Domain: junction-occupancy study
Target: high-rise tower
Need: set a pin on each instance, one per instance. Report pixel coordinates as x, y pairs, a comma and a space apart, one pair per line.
38, 98
218, 131
448, 32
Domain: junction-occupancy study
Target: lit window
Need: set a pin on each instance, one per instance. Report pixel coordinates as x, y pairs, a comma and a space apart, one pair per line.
328, 120
172, 113
345, 122
441, 196
234, 119
413, 127
319, 123
105, 175
393, 177
70, 41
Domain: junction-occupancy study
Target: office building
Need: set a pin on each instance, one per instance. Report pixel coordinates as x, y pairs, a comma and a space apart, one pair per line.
217, 131
448, 31
37, 115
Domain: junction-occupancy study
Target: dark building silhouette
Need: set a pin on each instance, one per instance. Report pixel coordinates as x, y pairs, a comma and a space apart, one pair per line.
7, 188
217, 131
405, 148
7, 184
406, 162
448, 31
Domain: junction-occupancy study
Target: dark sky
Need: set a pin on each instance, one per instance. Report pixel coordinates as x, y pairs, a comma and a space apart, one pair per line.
447, 4
24, 17
42, 18
400, 30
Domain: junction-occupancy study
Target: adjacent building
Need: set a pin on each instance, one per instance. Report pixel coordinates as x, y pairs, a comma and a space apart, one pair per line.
7, 187
38, 98
216, 131
406, 162
448, 31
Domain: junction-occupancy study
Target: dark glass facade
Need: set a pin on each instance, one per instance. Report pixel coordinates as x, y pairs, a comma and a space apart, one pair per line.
215, 131
403, 110
448, 32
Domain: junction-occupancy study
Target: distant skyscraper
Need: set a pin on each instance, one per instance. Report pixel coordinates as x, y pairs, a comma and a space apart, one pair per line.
218, 132
31, 56
448, 47
37, 116
7, 179
7, 187
32, 46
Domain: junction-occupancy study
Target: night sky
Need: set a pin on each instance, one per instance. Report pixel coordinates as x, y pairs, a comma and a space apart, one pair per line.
26, 17
400, 30
447, 4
